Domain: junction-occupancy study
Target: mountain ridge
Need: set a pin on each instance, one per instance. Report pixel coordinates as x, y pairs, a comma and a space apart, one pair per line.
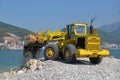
106, 36
4, 28
110, 28
112, 32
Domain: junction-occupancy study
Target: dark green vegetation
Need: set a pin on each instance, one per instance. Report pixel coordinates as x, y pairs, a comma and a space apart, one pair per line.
12, 29
109, 33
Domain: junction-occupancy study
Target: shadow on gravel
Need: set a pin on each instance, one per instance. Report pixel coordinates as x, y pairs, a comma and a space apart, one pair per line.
78, 62
82, 62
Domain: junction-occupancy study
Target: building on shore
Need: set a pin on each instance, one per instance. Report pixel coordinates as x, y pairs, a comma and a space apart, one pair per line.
11, 42
110, 46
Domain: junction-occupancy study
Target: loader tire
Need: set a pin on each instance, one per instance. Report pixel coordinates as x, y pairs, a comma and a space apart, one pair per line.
51, 52
69, 53
61, 56
26, 56
95, 60
29, 53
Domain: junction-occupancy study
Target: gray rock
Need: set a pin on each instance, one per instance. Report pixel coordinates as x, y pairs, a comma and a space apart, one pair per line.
20, 72
108, 69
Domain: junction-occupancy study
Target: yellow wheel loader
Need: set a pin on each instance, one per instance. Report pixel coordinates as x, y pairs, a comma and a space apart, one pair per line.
69, 44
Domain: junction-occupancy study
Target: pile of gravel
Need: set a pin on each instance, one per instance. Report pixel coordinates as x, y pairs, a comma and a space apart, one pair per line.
108, 69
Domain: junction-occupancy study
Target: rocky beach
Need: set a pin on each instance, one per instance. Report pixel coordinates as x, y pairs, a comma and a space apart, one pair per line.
108, 69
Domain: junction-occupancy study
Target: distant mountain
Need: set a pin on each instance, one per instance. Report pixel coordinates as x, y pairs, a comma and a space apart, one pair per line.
12, 29
105, 36
111, 27
117, 32
108, 37
110, 33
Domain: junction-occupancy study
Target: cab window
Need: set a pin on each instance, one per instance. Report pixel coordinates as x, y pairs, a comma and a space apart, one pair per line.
80, 29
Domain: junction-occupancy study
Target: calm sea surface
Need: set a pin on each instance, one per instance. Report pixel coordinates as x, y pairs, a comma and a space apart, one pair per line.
12, 58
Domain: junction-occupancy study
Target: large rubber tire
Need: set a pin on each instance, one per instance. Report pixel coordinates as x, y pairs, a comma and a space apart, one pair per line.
95, 60
26, 56
51, 52
33, 51
61, 56
29, 53
69, 53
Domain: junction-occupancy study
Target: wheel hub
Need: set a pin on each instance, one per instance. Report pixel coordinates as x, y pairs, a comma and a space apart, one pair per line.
50, 52
67, 54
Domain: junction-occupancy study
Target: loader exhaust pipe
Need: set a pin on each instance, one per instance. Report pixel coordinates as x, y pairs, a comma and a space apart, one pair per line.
91, 26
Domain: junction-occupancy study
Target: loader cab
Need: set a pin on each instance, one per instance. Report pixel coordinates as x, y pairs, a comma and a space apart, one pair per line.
77, 32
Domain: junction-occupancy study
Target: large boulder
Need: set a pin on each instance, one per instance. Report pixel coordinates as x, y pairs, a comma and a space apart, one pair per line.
34, 64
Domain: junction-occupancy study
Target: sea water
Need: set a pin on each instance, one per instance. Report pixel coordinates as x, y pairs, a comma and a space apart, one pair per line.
12, 58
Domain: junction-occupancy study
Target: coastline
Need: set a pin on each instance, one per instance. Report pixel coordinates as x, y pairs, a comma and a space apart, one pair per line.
108, 69
16, 59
